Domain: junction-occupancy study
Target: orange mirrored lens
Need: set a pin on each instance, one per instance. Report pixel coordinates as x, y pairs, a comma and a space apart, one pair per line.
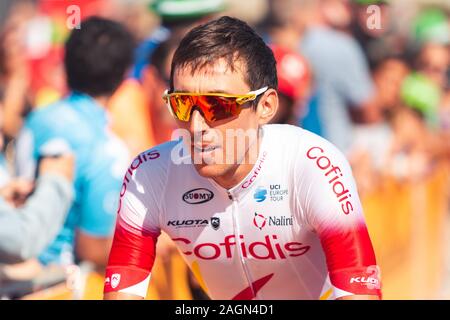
214, 108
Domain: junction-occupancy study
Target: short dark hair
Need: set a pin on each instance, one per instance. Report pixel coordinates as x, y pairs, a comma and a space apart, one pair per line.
97, 56
231, 39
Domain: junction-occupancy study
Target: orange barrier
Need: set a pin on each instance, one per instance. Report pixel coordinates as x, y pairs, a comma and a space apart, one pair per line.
407, 224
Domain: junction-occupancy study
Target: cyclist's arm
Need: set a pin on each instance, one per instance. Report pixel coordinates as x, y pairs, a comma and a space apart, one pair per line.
130, 263
334, 212
137, 229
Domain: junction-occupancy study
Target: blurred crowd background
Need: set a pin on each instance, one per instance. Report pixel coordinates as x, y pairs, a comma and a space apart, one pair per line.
371, 76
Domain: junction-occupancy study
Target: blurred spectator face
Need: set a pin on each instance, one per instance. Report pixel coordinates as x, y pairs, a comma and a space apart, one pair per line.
337, 13
434, 62
409, 128
155, 81
388, 77
135, 16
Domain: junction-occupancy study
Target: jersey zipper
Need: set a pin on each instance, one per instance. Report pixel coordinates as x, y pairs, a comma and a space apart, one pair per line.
238, 243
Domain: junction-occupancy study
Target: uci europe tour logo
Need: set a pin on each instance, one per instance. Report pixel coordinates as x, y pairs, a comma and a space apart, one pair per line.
260, 194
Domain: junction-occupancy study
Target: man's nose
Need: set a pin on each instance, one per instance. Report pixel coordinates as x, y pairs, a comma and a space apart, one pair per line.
198, 123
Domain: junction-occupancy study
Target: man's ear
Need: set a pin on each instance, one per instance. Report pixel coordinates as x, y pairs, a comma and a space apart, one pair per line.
267, 106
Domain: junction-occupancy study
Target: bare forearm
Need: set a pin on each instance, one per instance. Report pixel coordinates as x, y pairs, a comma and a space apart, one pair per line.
93, 249
14, 104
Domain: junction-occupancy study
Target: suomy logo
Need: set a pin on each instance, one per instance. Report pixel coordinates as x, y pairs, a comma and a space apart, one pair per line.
197, 196
335, 173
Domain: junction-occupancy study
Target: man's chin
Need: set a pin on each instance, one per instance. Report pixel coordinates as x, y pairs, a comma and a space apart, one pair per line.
212, 170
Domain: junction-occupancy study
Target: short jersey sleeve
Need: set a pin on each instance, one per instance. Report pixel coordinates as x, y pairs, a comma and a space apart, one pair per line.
328, 195
137, 229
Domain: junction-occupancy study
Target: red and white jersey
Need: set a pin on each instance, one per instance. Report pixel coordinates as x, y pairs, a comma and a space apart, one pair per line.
292, 229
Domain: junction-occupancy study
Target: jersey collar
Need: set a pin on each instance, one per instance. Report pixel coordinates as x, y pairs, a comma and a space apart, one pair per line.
252, 178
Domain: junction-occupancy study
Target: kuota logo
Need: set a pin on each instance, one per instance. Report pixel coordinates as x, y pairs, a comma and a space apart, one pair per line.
215, 223
187, 223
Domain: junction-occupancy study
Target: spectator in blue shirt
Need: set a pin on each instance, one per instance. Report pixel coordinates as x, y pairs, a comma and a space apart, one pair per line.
97, 57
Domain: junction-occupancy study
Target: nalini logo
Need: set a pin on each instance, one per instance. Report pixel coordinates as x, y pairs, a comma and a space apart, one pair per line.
115, 280
260, 194
215, 223
259, 221
197, 196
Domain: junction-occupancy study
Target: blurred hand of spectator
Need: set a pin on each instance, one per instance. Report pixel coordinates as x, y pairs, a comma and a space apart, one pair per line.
62, 165
17, 191
26, 210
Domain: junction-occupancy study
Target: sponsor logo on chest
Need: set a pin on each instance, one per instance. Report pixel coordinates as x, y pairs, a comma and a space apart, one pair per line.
274, 193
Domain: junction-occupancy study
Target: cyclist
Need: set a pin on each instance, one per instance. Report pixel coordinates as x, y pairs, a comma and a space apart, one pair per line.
279, 220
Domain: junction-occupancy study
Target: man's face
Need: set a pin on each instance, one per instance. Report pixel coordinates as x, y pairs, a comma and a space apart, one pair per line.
434, 61
212, 142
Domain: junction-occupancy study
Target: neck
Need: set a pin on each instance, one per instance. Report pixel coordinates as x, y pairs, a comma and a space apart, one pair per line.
102, 100
235, 175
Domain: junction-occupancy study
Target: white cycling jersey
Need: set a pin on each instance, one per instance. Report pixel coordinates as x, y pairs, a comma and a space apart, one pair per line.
292, 229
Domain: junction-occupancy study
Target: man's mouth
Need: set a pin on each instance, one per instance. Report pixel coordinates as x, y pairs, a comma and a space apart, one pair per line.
204, 148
